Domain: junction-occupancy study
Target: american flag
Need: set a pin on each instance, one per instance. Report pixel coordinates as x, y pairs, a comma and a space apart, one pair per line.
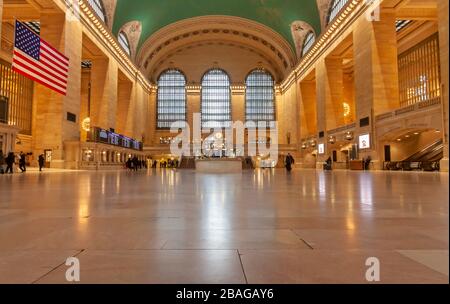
39, 61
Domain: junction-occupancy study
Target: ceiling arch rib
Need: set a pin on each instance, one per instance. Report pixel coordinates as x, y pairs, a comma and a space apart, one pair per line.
231, 31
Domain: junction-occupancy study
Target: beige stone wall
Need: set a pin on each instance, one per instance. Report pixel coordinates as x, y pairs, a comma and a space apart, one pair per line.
196, 60
287, 116
303, 108
50, 127
443, 41
308, 110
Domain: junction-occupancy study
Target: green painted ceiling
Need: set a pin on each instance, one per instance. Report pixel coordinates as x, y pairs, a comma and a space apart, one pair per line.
277, 14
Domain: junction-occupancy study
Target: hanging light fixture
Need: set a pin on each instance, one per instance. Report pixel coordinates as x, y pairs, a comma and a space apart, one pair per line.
349, 135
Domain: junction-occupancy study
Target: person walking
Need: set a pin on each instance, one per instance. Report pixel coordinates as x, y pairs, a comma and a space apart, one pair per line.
41, 162
289, 162
22, 162
10, 162
2, 162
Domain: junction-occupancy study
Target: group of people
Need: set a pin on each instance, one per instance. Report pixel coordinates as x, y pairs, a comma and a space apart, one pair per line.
171, 163
135, 164
8, 161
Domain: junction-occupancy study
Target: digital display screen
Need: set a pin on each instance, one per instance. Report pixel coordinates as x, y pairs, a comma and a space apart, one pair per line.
364, 142
102, 136
126, 142
108, 137
114, 139
321, 148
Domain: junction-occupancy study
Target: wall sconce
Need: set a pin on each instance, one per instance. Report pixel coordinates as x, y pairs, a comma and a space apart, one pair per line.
313, 143
332, 139
86, 124
349, 135
304, 145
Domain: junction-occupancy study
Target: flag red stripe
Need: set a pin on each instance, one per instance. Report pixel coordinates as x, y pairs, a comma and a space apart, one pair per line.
38, 80
42, 66
55, 51
52, 60
53, 67
38, 73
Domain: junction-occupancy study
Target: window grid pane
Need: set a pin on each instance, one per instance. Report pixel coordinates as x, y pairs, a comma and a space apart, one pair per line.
259, 97
216, 100
335, 9
419, 73
17, 90
171, 100
123, 41
308, 43
97, 6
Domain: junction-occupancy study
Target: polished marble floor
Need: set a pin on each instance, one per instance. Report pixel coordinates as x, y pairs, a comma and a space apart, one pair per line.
256, 227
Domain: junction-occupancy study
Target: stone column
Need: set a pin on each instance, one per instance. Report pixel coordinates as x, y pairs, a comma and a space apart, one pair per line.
50, 126
1, 21
321, 107
151, 119
308, 109
376, 73
139, 108
124, 113
104, 82
443, 43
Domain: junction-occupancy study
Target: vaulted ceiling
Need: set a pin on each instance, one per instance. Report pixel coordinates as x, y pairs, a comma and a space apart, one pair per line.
276, 14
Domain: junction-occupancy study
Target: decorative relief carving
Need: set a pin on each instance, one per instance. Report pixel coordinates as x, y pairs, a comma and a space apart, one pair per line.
133, 30
299, 31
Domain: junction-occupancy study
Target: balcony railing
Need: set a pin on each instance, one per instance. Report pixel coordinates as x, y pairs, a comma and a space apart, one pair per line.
412, 108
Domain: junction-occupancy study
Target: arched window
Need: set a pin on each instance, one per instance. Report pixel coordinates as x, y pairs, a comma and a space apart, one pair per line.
308, 43
335, 8
171, 103
99, 9
124, 43
216, 99
259, 97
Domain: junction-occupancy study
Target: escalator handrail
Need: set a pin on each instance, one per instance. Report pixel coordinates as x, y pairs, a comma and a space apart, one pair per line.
419, 155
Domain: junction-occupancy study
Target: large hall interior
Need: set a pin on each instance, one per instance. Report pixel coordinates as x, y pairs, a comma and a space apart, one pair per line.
224, 142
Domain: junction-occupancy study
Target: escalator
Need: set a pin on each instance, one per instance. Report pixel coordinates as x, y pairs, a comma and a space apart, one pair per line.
432, 153
426, 159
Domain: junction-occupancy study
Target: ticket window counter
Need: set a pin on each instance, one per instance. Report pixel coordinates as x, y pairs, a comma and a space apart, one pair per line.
104, 157
48, 156
7, 138
88, 155
3, 142
118, 157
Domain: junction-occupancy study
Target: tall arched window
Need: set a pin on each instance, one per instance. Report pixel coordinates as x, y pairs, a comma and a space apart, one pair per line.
335, 8
259, 97
308, 42
216, 99
99, 9
171, 103
124, 43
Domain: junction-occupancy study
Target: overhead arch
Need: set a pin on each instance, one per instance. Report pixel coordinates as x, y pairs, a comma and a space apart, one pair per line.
210, 34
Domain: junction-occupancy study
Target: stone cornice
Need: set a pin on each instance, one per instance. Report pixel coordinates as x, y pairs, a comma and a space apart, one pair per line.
104, 36
353, 10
